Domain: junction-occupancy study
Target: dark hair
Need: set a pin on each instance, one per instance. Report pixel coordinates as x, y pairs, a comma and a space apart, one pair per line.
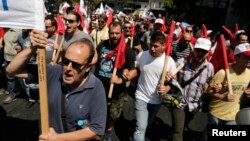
242, 33
158, 37
78, 18
115, 24
52, 20
145, 25
90, 46
103, 16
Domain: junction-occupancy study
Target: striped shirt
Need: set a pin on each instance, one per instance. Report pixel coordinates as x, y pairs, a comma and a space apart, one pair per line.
194, 90
179, 51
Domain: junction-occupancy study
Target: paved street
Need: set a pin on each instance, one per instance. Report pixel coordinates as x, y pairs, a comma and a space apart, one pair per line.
22, 124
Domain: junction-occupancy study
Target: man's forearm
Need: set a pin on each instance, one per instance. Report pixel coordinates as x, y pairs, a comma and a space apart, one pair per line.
20, 61
79, 135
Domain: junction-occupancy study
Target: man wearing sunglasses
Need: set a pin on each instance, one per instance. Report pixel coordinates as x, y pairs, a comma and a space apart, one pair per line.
77, 100
74, 30
194, 78
102, 32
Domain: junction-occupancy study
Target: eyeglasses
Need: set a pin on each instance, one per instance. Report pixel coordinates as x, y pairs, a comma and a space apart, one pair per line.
69, 20
46, 27
100, 21
201, 51
127, 27
66, 61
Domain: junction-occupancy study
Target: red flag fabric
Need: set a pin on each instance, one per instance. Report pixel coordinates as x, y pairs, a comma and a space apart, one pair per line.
232, 37
169, 39
60, 25
120, 56
220, 51
110, 18
182, 32
120, 53
77, 9
236, 28
203, 31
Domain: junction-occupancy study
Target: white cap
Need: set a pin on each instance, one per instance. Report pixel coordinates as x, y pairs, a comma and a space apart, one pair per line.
239, 31
203, 43
160, 21
243, 48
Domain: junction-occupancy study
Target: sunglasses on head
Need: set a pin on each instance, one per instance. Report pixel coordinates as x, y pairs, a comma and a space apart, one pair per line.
189, 30
69, 20
66, 61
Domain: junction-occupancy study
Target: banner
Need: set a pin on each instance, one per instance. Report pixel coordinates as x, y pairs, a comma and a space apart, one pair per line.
24, 14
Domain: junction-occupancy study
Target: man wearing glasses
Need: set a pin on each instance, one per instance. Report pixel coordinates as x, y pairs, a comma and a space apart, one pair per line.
196, 74
182, 48
101, 33
74, 30
77, 100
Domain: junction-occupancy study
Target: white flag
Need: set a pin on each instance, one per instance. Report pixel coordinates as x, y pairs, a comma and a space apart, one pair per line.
24, 14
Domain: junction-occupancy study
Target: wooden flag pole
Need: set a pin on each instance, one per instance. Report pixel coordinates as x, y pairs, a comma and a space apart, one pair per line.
178, 69
54, 51
111, 87
55, 61
164, 71
42, 76
222, 42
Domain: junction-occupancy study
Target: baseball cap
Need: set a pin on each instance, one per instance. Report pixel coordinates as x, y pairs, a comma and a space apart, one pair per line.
203, 43
160, 21
243, 48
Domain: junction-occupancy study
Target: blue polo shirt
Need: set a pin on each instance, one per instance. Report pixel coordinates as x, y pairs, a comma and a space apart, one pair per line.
88, 102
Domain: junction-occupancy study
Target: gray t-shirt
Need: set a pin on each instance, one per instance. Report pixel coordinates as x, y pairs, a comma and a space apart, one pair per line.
78, 36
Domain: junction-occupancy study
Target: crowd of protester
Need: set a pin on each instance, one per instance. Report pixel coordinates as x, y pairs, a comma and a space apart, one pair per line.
91, 56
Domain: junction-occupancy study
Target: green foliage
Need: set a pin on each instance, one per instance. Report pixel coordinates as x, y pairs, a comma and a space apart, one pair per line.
169, 3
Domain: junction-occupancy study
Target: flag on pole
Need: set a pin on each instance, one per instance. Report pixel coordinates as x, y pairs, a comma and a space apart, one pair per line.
120, 53
203, 31
24, 14
220, 51
120, 56
236, 28
232, 37
169, 39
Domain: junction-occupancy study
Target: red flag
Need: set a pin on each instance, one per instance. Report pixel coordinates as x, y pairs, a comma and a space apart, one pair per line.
77, 9
60, 25
169, 39
232, 37
204, 31
164, 28
120, 56
220, 51
236, 28
110, 18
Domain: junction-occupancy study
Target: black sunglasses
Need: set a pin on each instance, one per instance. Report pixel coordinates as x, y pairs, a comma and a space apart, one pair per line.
66, 61
69, 20
201, 51
125, 27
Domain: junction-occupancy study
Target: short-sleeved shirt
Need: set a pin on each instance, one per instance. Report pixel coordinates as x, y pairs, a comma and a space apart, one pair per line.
223, 109
150, 74
104, 67
80, 35
195, 89
88, 102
